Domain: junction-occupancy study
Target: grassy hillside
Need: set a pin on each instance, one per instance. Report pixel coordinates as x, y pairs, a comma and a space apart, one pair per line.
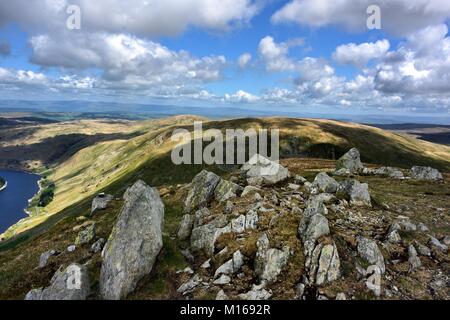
144, 153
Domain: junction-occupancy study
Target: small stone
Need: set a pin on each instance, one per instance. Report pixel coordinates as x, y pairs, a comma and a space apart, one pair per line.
206, 264
190, 285
71, 248
98, 245
231, 266
261, 171
423, 227
394, 237
324, 183
435, 243
86, 236
413, 260
249, 190
446, 240
221, 295
369, 251
422, 249
341, 296
299, 291
185, 228
300, 180
238, 224
44, 258
425, 173
222, 280
373, 282
100, 202
293, 186
256, 293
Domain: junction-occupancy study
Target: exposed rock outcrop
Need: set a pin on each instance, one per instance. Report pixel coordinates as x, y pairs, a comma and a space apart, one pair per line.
202, 191
425, 173
269, 262
134, 243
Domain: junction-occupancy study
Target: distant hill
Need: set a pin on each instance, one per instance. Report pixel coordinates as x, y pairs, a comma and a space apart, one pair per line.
90, 156
429, 132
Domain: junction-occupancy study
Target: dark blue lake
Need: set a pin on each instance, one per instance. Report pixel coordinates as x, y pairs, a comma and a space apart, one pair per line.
14, 199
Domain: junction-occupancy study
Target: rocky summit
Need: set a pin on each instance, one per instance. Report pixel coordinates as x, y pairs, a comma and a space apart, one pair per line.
295, 229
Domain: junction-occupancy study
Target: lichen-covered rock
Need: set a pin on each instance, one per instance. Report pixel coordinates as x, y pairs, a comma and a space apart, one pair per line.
69, 284
185, 228
97, 246
251, 220
204, 237
231, 266
327, 267
100, 202
250, 190
325, 183
350, 162
317, 227
413, 259
202, 191
226, 190
86, 235
134, 243
369, 251
261, 171
269, 262
355, 192
425, 173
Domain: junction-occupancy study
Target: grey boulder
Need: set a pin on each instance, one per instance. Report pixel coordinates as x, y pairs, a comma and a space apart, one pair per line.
134, 243
69, 284
369, 251
355, 192
202, 191
185, 228
269, 262
425, 173
100, 202
226, 190
325, 183
261, 171
350, 162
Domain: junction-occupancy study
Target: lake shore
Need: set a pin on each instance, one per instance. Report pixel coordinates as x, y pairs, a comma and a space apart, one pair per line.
4, 186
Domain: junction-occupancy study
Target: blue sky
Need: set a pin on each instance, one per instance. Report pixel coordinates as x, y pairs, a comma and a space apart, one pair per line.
305, 54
